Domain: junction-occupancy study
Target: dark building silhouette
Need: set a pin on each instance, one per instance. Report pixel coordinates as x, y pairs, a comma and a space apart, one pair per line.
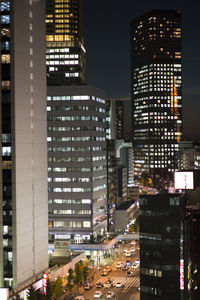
161, 246
156, 91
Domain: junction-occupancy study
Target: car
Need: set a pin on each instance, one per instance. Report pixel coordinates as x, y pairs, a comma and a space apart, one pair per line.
132, 250
134, 266
128, 263
80, 297
118, 265
128, 254
124, 250
132, 242
99, 285
119, 284
124, 268
108, 268
129, 274
98, 294
110, 294
104, 273
87, 286
137, 261
108, 283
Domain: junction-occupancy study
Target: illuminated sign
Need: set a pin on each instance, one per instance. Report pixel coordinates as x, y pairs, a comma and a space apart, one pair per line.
184, 180
181, 274
44, 283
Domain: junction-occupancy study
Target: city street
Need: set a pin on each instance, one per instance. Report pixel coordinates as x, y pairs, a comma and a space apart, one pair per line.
130, 285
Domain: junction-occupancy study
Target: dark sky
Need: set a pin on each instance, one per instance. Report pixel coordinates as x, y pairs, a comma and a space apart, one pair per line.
107, 41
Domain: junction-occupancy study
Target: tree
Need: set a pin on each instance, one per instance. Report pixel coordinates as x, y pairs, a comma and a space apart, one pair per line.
133, 228
58, 288
78, 273
70, 280
85, 270
49, 290
33, 294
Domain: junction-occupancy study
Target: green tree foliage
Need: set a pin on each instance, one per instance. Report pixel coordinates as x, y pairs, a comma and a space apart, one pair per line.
58, 288
78, 273
70, 280
33, 295
49, 290
85, 270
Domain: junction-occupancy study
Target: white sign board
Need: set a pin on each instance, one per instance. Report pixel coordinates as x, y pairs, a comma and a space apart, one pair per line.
3, 294
184, 180
62, 248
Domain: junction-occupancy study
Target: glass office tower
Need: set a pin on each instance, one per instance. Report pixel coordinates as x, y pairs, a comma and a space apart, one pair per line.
65, 53
156, 91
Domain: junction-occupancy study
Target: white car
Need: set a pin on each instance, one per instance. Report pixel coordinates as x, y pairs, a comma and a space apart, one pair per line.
124, 250
134, 266
98, 294
128, 253
108, 284
119, 284
137, 261
110, 294
132, 250
119, 265
132, 242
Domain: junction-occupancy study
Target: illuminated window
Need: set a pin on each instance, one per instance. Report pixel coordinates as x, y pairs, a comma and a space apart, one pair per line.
5, 19
5, 58
5, 85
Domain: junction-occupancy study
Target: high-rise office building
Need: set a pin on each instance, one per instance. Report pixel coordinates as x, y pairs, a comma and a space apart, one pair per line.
23, 181
65, 53
76, 130
119, 118
161, 247
156, 91
77, 162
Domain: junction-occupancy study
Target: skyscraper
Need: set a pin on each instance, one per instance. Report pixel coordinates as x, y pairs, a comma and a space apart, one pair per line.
77, 162
76, 130
65, 53
161, 246
156, 91
23, 181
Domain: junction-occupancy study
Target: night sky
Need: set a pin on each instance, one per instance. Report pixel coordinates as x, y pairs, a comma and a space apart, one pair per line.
106, 26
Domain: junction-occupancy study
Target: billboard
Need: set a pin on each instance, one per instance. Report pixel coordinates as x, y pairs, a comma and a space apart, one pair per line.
184, 180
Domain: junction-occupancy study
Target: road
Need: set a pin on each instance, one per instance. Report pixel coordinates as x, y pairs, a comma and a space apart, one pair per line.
130, 284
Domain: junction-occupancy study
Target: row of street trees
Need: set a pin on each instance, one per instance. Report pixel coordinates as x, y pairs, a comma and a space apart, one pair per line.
55, 289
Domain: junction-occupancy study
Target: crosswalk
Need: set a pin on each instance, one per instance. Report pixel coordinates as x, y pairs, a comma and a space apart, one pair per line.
128, 282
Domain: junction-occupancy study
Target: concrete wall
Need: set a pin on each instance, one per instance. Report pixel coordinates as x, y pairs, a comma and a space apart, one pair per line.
29, 182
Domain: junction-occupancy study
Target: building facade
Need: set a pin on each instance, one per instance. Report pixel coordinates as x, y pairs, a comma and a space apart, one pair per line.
23, 179
156, 91
65, 52
77, 172
162, 246
118, 112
